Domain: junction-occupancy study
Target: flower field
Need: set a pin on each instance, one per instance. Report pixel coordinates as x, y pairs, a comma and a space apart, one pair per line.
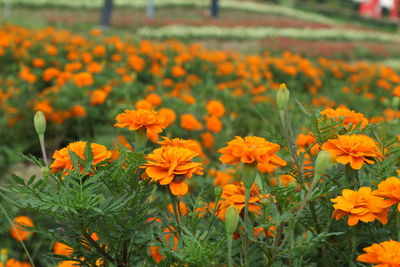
169, 153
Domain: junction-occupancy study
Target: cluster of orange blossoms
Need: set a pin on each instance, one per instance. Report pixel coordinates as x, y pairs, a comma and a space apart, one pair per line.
252, 150
349, 118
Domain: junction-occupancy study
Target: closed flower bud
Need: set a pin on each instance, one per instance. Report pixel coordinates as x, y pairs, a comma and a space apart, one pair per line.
395, 102
322, 162
231, 220
218, 191
282, 96
40, 122
45, 171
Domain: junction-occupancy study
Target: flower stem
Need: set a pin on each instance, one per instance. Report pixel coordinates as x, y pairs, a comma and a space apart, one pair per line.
176, 215
230, 261
42, 146
246, 224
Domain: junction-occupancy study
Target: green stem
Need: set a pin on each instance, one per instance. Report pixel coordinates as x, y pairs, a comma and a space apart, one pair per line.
43, 148
176, 216
246, 224
230, 261
398, 225
20, 240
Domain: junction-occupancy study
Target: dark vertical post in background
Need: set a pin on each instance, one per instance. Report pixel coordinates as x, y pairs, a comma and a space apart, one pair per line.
214, 8
106, 13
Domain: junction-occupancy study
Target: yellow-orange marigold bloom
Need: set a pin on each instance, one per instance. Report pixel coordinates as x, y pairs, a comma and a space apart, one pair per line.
98, 97
141, 119
360, 205
252, 150
15, 263
207, 139
222, 178
143, 104
170, 165
390, 189
154, 99
17, 231
189, 122
193, 145
168, 114
62, 159
62, 249
213, 124
183, 210
356, 149
396, 91
233, 195
346, 115
384, 254
307, 141
215, 108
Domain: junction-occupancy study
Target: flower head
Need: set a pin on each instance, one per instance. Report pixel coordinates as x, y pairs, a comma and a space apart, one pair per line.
62, 158
356, 149
233, 195
347, 116
390, 189
252, 150
141, 119
385, 254
170, 165
17, 231
189, 144
360, 205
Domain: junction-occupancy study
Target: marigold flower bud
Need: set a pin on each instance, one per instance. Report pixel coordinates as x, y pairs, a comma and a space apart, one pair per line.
395, 102
218, 191
231, 220
45, 171
3, 255
322, 162
40, 122
282, 96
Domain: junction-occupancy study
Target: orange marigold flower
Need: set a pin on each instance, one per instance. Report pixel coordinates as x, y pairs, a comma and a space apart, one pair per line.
307, 141
154, 99
193, 145
215, 108
83, 79
170, 165
15, 263
360, 205
213, 124
207, 139
62, 159
356, 149
384, 254
17, 231
98, 97
396, 91
78, 111
141, 119
252, 150
143, 104
62, 249
346, 115
168, 114
390, 189
189, 122
222, 178
183, 210
233, 195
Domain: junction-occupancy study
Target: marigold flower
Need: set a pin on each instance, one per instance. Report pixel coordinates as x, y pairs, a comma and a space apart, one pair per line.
183, 210
191, 144
17, 231
154, 99
62, 159
15, 263
233, 195
168, 114
98, 97
384, 254
252, 150
213, 124
143, 104
207, 139
215, 108
222, 178
141, 119
83, 79
62, 249
346, 115
356, 149
307, 141
360, 205
390, 189
170, 165
189, 122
